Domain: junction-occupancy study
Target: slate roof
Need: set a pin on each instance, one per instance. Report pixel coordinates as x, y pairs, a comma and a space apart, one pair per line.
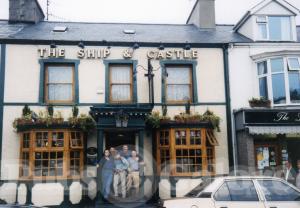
113, 32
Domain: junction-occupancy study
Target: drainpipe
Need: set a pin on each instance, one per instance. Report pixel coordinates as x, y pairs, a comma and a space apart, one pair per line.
231, 142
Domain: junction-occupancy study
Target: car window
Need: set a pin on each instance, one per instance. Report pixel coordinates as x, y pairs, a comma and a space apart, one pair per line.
241, 190
223, 193
278, 191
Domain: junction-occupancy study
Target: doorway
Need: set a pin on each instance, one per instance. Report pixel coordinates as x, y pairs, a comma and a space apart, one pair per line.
117, 139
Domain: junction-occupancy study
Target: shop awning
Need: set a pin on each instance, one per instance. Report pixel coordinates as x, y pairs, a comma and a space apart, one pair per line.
274, 129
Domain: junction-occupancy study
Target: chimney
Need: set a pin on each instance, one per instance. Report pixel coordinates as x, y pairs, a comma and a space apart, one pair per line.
27, 11
203, 14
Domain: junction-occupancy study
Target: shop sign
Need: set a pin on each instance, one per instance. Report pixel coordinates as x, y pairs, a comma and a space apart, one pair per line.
104, 53
291, 117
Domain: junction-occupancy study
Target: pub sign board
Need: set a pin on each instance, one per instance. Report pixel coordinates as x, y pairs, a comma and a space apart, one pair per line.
277, 117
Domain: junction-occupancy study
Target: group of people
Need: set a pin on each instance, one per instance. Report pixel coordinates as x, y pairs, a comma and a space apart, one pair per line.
289, 173
122, 169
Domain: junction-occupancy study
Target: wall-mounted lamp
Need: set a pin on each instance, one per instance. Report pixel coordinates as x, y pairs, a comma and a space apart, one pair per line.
161, 47
135, 46
52, 45
187, 46
81, 45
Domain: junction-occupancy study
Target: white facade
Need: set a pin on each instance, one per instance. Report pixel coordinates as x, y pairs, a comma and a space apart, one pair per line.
22, 86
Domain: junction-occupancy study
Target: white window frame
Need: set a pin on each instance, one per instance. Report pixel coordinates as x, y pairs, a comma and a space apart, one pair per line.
258, 35
269, 79
289, 65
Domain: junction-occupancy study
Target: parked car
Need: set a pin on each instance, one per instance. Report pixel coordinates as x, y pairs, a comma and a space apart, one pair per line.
240, 192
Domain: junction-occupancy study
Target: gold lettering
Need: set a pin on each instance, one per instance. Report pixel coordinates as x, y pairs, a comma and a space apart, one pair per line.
106, 53
169, 54
177, 53
150, 54
160, 55
91, 53
80, 53
52, 52
194, 54
61, 53
98, 55
42, 52
185, 54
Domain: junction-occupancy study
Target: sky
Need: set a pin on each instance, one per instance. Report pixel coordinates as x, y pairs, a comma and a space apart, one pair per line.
139, 11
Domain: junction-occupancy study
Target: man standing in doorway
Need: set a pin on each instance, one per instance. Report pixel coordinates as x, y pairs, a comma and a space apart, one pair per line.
121, 166
125, 152
133, 179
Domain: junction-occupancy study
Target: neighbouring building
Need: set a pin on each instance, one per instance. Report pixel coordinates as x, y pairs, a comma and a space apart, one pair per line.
120, 75
267, 134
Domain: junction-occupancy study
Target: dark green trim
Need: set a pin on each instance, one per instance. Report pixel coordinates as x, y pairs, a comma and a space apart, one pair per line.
120, 61
43, 62
141, 153
103, 104
228, 106
100, 138
111, 43
2, 82
192, 63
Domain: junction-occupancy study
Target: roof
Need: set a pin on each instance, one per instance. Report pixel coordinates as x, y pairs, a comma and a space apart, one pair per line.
113, 33
261, 5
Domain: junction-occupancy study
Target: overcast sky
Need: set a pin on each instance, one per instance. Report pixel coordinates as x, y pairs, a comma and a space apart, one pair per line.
141, 11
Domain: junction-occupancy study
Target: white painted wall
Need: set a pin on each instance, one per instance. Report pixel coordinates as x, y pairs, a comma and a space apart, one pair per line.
22, 85
273, 8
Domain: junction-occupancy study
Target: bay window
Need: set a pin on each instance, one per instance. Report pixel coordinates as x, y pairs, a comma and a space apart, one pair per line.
186, 151
279, 80
274, 28
51, 154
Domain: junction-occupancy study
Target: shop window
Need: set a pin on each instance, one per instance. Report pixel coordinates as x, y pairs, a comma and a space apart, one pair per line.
179, 86
121, 83
274, 28
59, 83
279, 80
185, 152
51, 154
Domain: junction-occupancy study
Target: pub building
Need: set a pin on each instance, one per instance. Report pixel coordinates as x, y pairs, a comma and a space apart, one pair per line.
71, 90
265, 90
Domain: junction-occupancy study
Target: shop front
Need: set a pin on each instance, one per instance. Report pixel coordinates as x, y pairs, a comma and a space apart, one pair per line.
267, 139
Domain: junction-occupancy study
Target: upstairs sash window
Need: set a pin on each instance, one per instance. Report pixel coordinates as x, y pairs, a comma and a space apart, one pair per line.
179, 84
121, 87
59, 84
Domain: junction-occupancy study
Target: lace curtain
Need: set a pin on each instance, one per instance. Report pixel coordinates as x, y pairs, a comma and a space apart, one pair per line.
178, 84
120, 78
60, 83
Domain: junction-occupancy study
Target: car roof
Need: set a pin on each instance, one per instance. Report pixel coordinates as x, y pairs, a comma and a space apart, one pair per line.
219, 180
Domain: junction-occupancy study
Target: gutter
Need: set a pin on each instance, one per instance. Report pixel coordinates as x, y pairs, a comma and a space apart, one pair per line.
228, 108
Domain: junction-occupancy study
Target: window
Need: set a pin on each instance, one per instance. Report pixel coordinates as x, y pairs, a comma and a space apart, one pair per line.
44, 154
240, 190
59, 84
185, 152
121, 87
262, 79
279, 80
278, 191
179, 85
276, 28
